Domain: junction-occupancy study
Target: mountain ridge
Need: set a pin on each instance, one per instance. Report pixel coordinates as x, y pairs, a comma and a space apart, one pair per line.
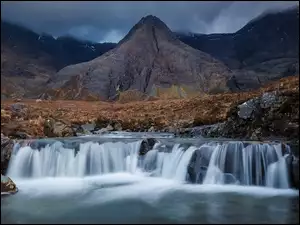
149, 54
251, 61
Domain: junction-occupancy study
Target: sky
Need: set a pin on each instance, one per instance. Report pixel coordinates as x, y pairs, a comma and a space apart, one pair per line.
111, 21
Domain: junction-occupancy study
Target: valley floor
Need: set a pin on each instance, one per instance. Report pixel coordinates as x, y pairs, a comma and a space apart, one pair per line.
33, 117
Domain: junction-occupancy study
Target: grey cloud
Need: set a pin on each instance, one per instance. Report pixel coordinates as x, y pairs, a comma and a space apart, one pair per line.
110, 21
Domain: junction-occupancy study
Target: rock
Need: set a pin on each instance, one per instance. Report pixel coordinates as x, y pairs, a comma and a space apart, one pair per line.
147, 145
171, 129
6, 149
8, 186
247, 109
109, 128
295, 173
268, 99
101, 131
272, 115
18, 109
198, 164
117, 127
86, 128
54, 128
151, 129
256, 135
22, 135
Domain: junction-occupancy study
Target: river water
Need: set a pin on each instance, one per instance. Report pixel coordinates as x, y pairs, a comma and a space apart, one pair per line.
57, 185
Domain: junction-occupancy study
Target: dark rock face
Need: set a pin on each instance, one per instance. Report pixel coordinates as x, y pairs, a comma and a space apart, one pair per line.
271, 115
198, 165
6, 151
147, 145
295, 173
149, 55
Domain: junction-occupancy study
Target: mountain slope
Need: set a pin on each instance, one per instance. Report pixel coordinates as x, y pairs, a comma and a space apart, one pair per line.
266, 48
149, 54
28, 59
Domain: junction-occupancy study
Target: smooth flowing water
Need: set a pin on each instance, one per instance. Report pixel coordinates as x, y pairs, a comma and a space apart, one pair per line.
110, 182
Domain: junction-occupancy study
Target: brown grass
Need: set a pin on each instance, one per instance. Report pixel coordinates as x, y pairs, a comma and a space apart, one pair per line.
205, 109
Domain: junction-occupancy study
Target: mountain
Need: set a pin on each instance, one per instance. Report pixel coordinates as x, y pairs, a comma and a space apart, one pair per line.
266, 48
149, 55
28, 59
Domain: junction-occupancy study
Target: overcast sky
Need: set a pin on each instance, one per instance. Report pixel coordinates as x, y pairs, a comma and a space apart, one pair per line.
110, 21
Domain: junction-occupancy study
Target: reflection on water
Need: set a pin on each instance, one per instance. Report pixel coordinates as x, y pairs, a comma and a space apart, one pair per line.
126, 198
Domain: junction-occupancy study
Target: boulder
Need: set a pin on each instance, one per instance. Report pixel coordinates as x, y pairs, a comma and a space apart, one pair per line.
198, 164
54, 128
8, 186
147, 145
248, 109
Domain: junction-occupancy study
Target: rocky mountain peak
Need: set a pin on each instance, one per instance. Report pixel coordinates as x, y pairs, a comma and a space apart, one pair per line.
151, 20
150, 26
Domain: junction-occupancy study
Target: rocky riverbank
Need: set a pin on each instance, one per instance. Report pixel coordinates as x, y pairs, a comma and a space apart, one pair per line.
272, 115
269, 113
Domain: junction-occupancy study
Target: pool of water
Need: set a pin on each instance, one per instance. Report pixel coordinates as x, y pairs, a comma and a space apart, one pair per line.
138, 198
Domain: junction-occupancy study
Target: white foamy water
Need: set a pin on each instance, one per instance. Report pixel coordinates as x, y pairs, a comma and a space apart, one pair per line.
229, 163
112, 183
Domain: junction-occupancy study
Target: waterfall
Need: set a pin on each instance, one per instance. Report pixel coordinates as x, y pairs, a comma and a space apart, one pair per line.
206, 163
92, 158
255, 164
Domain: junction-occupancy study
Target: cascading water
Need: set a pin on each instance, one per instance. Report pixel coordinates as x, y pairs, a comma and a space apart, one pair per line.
213, 163
91, 159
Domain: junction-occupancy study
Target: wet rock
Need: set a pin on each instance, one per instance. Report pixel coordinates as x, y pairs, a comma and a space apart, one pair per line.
107, 129
8, 186
295, 173
6, 150
198, 164
54, 128
147, 145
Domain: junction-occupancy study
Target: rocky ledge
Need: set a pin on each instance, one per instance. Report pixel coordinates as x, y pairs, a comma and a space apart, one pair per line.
273, 115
